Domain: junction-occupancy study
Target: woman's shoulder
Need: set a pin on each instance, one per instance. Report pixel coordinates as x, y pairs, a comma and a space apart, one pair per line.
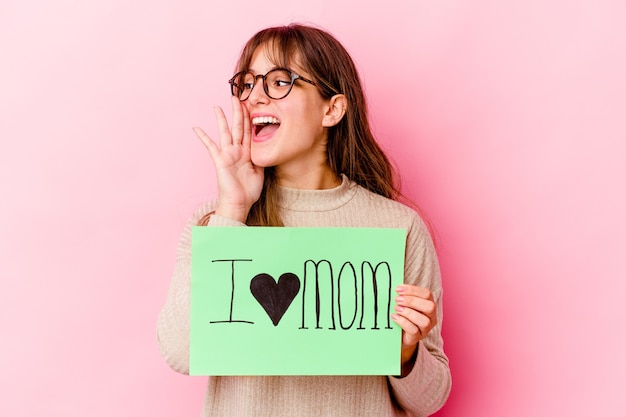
377, 201
388, 210
203, 210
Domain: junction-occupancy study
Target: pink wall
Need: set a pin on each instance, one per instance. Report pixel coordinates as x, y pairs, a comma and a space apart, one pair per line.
506, 119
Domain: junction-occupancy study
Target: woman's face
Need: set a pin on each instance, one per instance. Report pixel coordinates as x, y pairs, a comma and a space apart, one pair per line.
295, 139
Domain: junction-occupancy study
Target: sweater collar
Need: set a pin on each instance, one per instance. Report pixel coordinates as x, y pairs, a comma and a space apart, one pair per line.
317, 200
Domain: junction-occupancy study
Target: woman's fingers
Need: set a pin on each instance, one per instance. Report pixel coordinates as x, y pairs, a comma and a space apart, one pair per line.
247, 128
242, 128
237, 131
415, 291
206, 140
222, 125
233, 151
416, 312
414, 322
411, 332
241, 132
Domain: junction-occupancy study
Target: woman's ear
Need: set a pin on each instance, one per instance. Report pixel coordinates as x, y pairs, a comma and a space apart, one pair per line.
335, 111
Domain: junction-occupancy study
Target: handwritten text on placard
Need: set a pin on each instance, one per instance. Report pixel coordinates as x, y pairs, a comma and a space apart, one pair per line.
295, 301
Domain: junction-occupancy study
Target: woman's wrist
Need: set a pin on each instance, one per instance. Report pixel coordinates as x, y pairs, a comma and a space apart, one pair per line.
235, 212
408, 358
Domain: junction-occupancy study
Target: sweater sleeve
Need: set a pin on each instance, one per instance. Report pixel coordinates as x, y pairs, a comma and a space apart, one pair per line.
426, 388
173, 320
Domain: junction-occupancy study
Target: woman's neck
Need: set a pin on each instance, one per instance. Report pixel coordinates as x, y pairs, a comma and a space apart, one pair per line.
322, 178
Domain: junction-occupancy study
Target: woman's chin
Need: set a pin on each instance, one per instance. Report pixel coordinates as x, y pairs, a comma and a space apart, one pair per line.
261, 161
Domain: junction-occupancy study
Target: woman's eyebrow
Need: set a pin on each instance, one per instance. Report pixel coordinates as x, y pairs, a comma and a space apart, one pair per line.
252, 70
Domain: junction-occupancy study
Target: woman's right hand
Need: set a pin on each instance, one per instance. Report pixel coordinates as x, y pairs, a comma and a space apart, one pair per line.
239, 181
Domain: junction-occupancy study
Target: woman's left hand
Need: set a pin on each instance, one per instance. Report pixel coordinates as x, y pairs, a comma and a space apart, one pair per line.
416, 313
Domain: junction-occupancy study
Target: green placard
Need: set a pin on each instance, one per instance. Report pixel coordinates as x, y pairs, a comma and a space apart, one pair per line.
295, 301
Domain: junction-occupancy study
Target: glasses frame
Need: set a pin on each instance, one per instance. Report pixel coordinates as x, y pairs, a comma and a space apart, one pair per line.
294, 77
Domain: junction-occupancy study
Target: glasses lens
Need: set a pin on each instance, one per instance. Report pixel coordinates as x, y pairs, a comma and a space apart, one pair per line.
246, 85
241, 85
278, 83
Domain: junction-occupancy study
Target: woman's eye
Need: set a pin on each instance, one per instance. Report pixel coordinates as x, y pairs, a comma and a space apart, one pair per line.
282, 83
247, 86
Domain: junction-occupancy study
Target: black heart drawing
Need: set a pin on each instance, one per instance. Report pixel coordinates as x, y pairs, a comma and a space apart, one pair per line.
274, 297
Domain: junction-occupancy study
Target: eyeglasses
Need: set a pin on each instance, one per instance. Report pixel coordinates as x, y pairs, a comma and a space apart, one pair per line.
277, 83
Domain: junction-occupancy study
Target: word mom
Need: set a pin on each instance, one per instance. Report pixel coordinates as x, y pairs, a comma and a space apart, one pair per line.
346, 297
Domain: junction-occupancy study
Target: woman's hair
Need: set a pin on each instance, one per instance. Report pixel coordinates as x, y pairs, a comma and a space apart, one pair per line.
352, 149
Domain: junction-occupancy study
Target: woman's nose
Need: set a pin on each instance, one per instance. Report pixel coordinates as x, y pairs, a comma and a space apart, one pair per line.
257, 95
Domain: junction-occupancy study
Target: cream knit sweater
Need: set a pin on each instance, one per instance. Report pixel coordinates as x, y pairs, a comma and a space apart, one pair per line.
422, 392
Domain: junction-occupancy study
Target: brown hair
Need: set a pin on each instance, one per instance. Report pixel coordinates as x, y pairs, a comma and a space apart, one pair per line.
352, 149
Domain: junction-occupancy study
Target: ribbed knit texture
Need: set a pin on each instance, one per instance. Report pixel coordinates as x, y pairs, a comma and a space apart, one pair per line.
422, 392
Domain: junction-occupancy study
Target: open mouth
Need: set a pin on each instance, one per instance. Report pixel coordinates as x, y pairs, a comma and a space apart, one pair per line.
265, 125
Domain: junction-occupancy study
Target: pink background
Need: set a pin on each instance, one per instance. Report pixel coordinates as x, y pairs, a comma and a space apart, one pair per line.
507, 121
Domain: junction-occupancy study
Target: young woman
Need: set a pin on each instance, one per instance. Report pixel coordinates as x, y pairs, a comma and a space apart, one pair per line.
300, 153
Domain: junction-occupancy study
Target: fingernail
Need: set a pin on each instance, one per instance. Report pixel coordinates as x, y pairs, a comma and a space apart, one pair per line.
400, 288
399, 308
399, 299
